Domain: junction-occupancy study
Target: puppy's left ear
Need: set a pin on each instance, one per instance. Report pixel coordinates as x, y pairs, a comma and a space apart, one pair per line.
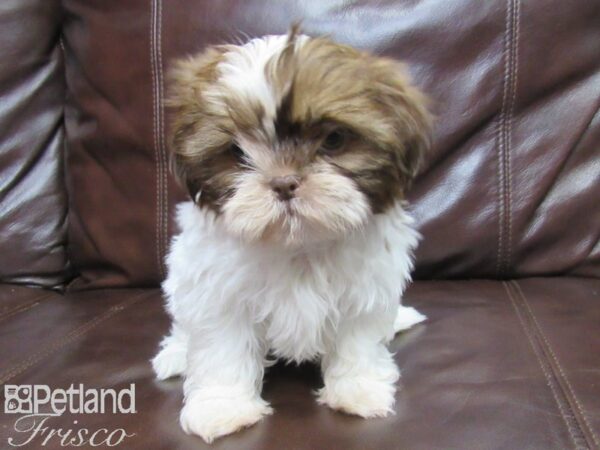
406, 106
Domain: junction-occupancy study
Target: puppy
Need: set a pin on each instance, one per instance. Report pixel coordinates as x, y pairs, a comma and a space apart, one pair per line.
297, 153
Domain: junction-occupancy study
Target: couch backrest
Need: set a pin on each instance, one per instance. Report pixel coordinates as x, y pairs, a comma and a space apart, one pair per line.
33, 200
510, 188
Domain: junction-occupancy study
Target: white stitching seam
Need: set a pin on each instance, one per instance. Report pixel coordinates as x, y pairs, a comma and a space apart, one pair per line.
511, 110
510, 44
545, 369
71, 336
163, 147
500, 141
154, 127
156, 105
560, 369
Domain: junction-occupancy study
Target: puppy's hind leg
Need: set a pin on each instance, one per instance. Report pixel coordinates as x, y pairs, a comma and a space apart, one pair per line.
406, 318
359, 372
171, 358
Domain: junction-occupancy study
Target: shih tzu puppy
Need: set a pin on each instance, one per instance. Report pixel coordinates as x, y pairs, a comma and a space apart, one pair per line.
297, 153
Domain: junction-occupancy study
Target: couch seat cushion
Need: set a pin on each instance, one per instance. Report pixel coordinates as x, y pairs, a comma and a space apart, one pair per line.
498, 365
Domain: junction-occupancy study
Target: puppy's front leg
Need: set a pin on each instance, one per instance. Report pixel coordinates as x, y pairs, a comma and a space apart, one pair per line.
359, 371
223, 380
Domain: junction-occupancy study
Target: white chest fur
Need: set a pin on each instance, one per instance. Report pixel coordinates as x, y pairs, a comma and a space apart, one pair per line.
294, 299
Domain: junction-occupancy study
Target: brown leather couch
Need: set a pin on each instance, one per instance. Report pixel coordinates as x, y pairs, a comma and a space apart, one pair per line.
508, 203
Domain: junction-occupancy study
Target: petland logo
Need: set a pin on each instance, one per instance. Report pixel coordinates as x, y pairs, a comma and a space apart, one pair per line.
40, 404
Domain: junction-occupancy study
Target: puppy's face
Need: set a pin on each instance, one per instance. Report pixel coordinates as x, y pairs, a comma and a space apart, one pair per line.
294, 139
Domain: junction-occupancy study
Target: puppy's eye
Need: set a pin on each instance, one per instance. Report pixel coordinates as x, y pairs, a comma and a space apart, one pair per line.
334, 141
236, 152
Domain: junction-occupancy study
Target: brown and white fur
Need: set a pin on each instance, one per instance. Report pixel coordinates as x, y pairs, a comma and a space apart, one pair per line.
297, 153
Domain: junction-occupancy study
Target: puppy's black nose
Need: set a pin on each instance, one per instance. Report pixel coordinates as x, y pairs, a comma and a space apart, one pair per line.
285, 187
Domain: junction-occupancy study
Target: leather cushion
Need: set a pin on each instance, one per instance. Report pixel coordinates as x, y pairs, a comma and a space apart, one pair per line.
33, 199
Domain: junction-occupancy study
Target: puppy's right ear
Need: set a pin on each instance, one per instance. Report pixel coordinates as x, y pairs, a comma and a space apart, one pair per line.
407, 106
188, 82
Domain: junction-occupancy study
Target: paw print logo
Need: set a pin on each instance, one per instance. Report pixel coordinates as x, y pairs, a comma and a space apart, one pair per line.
17, 399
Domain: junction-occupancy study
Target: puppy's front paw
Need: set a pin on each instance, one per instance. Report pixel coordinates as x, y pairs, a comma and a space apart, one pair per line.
363, 396
212, 415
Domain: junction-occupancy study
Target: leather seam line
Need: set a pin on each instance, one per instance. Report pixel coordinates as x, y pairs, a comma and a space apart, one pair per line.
504, 136
71, 336
9, 312
511, 113
161, 135
19, 310
163, 146
564, 408
157, 139
500, 167
154, 134
568, 389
